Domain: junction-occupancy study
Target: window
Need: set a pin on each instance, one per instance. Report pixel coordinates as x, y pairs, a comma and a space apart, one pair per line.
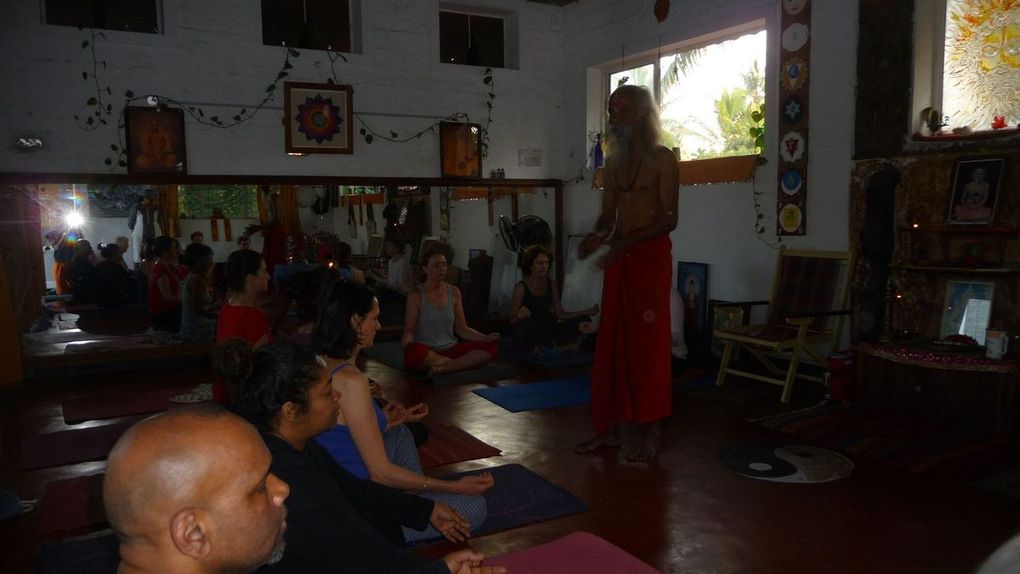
471, 39
707, 95
967, 62
307, 24
233, 201
125, 15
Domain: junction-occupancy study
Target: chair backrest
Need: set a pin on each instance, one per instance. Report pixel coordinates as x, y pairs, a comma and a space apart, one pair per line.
808, 281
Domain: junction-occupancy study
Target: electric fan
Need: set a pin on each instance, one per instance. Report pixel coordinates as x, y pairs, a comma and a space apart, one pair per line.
525, 232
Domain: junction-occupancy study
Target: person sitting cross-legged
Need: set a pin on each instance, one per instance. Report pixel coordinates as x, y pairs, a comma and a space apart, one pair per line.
180, 502
436, 334
336, 522
371, 441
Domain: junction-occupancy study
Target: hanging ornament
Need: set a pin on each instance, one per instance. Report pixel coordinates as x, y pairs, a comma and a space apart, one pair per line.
661, 10
596, 158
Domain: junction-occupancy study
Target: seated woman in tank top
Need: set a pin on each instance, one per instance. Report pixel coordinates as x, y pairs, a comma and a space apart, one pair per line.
536, 313
436, 334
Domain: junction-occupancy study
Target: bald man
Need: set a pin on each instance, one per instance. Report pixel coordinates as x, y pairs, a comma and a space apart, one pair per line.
189, 491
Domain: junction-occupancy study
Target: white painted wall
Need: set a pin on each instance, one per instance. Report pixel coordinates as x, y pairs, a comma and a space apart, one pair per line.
716, 223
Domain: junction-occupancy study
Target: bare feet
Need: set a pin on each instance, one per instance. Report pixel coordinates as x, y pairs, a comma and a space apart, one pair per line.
610, 439
643, 443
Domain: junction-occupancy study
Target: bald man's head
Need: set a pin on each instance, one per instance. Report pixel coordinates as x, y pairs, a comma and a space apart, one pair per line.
191, 489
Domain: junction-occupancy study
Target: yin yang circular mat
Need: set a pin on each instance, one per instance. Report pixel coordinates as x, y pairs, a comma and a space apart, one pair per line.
785, 463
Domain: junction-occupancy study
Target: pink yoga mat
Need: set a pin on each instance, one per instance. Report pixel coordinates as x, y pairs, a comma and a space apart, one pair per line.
448, 443
108, 406
575, 552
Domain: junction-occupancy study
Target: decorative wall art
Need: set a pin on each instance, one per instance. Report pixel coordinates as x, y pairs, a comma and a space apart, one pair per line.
317, 118
155, 140
460, 149
795, 57
976, 184
692, 283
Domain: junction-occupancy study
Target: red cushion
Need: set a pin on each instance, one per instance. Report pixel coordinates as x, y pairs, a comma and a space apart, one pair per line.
575, 552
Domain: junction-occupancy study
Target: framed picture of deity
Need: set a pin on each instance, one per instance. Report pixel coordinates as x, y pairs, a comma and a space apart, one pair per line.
460, 150
155, 140
692, 284
976, 184
317, 118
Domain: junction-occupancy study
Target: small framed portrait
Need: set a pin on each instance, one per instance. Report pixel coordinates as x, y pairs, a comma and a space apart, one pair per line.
976, 184
460, 150
967, 309
155, 140
317, 118
692, 283
725, 317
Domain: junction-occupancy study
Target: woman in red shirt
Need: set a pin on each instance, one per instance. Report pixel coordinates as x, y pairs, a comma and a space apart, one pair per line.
165, 285
240, 317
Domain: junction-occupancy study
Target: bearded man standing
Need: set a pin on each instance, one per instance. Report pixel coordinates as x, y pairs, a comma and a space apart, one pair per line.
631, 380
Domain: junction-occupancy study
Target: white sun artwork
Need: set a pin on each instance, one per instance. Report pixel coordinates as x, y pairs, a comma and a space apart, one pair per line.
981, 74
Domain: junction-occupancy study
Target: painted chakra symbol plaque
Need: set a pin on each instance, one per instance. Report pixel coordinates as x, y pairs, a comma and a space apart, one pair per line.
318, 118
794, 60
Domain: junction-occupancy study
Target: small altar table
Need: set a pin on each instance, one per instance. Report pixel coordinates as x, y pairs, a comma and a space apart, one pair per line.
960, 387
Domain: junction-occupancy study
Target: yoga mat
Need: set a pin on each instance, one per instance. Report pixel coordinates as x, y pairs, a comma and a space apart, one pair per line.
519, 497
575, 552
555, 359
449, 443
96, 553
71, 504
391, 354
111, 406
541, 395
556, 393
72, 446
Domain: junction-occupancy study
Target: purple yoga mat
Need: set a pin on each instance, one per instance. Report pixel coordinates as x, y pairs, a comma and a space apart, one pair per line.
72, 446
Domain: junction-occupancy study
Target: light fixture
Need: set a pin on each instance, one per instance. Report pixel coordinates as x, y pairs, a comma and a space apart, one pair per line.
74, 220
27, 143
296, 154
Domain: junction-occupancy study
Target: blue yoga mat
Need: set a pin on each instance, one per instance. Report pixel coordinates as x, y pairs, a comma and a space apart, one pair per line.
561, 393
518, 497
541, 395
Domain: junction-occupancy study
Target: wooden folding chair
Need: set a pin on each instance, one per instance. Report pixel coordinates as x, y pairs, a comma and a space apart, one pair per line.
805, 318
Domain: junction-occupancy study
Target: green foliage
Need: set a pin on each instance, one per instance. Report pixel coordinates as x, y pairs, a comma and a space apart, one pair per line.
234, 201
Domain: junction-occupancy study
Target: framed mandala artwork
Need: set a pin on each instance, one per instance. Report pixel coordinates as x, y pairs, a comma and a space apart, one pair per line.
317, 118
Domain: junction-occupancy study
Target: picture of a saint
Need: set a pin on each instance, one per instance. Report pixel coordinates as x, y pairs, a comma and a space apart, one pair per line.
974, 203
975, 191
155, 140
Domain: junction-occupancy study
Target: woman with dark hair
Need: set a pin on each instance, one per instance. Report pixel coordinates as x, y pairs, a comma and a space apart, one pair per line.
436, 334
366, 441
336, 522
536, 313
165, 285
112, 284
240, 317
198, 317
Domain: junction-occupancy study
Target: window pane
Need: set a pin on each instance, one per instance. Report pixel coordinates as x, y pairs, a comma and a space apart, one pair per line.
307, 24
453, 38
486, 47
708, 95
640, 76
981, 69
125, 15
234, 201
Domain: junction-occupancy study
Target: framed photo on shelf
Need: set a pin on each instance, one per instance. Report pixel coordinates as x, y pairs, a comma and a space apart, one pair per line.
692, 284
726, 317
976, 184
317, 118
155, 140
460, 150
967, 308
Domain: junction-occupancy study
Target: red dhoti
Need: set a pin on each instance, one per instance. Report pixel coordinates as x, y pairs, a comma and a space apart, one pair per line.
631, 380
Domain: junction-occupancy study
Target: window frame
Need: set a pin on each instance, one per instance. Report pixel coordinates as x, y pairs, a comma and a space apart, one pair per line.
161, 20
510, 33
353, 24
929, 54
725, 169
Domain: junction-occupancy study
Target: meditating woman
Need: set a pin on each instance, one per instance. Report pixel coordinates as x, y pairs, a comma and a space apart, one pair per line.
369, 441
112, 283
198, 316
536, 313
336, 522
436, 334
240, 317
164, 293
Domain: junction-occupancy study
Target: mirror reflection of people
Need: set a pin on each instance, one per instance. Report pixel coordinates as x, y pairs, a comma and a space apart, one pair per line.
631, 382
536, 313
197, 237
973, 199
180, 502
244, 243
157, 150
436, 334
393, 284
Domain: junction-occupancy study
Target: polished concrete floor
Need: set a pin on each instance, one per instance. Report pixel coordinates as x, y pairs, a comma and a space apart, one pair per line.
685, 512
